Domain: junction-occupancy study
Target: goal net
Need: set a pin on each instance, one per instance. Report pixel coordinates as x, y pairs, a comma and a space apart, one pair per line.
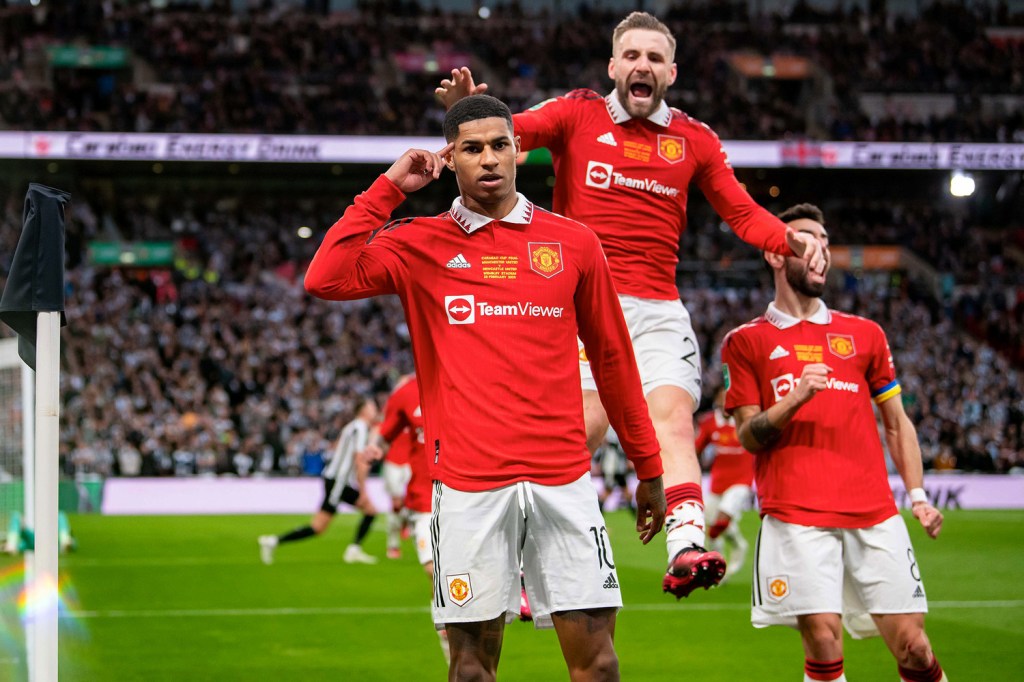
13, 423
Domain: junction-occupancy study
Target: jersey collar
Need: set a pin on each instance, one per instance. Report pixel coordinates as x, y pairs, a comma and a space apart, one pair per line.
662, 116
471, 221
785, 321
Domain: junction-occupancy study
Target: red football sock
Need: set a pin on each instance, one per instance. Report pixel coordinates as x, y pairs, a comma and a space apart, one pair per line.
932, 673
683, 492
823, 670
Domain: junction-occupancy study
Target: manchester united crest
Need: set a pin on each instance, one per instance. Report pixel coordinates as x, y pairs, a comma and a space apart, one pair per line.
546, 258
842, 346
778, 587
459, 588
671, 148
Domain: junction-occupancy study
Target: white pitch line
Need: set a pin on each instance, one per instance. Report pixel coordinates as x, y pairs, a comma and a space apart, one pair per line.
407, 610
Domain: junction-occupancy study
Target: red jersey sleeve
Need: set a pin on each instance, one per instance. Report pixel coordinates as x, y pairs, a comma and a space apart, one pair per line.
705, 427
881, 375
394, 421
544, 124
606, 340
350, 262
748, 220
738, 373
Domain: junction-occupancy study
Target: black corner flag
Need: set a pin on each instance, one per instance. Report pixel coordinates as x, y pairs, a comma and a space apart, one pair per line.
35, 283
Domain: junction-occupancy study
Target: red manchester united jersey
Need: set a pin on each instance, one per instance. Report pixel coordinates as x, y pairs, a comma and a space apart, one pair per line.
733, 465
628, 179
403, 424
828, 468
493, 309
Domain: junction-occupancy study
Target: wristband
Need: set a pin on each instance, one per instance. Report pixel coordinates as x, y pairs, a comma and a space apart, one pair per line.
917, 495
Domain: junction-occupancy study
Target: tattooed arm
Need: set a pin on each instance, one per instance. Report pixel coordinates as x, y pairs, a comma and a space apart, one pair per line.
759, 429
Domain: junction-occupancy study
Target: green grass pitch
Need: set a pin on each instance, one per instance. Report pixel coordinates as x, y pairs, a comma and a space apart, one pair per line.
186, 598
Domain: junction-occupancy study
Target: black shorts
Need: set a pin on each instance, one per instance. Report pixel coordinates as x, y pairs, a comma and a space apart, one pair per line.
336, 493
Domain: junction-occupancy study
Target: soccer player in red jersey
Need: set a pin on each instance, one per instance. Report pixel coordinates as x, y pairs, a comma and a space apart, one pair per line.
732, 475
396, 474
832, 548
624, 164
403, 423
495, 291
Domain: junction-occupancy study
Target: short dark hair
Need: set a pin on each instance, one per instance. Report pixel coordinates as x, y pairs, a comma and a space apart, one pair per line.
806, 211
473, 108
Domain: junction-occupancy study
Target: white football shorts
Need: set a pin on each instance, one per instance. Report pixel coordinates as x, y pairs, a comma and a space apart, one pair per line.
666, 349
734, 501
854, 572
556, 533
421, 536
396, 478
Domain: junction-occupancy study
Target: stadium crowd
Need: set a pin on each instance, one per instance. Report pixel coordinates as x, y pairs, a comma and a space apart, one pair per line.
284, 70
222, 364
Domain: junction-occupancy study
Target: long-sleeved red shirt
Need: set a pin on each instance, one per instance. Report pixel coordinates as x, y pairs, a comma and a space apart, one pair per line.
494, 309
628, 179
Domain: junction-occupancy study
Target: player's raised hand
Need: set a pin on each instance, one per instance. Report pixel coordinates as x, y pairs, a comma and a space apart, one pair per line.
807, 247
372, 453
650, 508
930, 518
814, 378
417, 168
460, 85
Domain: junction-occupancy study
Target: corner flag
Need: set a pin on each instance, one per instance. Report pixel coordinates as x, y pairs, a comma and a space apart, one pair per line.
35, 283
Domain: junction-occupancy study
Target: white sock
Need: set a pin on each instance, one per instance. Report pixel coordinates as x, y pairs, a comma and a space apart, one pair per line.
394, 534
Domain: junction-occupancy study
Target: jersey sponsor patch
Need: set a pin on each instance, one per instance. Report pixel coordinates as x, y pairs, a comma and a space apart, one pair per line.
726, 378
460, 309
783, 384
460, 588
671, 148
546, 258
599, 175
841, 345
778, 588
607, 139
779, 352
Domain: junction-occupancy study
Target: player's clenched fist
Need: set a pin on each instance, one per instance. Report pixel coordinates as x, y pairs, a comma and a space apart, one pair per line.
814, 378
930, 518
417, 168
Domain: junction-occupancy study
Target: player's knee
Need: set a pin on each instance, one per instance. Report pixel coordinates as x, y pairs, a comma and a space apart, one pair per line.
467, 668
915, 651
822, 638
601, 667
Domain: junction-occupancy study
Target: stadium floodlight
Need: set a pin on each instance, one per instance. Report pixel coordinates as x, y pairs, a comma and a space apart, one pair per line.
961, 184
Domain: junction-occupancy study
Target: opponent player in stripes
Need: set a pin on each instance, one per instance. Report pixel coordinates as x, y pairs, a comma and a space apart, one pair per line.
833, 550
343, 479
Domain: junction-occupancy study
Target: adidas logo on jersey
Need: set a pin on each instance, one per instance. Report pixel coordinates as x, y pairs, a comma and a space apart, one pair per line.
608, 139
918, 593
779, 351
459, 262
611, 583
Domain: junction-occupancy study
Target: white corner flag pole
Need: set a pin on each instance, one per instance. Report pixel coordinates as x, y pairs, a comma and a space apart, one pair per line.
28, 449
43, 597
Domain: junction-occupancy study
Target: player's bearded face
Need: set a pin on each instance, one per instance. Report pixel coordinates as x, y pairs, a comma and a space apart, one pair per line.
802, 280
642, 69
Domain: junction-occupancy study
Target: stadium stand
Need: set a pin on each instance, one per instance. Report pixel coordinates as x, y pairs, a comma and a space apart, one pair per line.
950, 73
218, 363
